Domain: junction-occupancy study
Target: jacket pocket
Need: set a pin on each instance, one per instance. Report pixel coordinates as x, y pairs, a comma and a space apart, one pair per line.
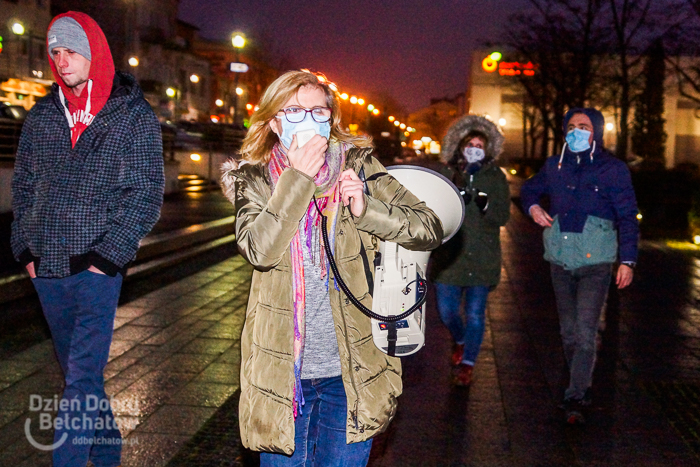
552, 243
598, 241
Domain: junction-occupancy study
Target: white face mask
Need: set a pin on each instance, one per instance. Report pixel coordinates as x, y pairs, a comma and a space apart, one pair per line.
473, 155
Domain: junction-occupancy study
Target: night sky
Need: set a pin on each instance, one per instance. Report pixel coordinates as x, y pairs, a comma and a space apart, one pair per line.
410, 49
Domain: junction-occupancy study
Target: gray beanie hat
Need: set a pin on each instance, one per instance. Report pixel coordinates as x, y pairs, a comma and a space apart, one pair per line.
67, 32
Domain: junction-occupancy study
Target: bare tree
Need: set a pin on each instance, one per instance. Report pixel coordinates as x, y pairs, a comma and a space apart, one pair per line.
564, 39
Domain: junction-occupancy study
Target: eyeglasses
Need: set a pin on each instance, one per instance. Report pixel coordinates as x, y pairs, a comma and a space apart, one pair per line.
298, 114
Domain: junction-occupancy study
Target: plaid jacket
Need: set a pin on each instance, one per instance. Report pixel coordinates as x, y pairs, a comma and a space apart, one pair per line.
91, 204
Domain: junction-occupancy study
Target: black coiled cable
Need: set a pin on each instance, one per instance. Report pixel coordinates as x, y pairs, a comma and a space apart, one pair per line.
421, 283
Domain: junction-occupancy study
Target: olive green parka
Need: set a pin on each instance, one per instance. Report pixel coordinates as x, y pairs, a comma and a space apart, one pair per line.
265, 225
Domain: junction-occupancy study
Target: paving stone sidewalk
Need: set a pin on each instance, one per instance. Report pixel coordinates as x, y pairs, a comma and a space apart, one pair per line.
174, 360
175, 363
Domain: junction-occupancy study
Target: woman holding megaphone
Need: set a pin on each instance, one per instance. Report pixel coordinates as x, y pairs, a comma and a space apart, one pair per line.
468, 266
314, 388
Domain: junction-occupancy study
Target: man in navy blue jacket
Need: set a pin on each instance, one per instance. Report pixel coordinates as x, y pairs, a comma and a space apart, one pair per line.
87, 187
592, 222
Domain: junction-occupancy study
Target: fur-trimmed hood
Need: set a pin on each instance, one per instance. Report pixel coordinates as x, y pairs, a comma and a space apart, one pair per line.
461, 127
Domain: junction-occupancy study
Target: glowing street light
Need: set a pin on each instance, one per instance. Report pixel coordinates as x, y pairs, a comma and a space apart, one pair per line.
502, 121
353, 100
18, 28
391, 118
397, 123
344, 96
249, 107
361, 101
170, 92
134, 61
375, 111
194, 78
219, 103
238, 41
239, 91
370, 107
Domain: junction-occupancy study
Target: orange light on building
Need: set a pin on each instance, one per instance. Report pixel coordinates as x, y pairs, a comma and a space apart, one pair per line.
489, 64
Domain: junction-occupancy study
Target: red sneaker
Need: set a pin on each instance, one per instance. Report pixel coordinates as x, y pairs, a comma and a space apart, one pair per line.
457, 354
462, 375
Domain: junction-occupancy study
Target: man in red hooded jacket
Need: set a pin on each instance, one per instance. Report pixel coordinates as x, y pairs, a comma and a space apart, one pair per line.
87, 187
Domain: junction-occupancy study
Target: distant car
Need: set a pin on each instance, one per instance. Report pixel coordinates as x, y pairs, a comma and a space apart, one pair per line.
13, 112
11, 121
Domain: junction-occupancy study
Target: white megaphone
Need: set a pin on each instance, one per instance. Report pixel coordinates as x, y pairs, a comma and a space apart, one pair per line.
399, 277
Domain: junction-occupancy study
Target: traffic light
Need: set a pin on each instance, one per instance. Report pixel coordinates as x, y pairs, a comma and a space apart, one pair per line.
0, 44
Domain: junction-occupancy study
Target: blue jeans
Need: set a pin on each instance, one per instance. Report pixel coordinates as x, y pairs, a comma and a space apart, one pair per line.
319, 432
469, 332
580, 295
80, 312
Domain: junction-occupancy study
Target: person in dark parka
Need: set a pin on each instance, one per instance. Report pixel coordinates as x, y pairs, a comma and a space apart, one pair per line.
469, 264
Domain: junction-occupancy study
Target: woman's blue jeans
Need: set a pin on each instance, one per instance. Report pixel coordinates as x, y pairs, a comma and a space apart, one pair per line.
80, 312
469, 331
320, 430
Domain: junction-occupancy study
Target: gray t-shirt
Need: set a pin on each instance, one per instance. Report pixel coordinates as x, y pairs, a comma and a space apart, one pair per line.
320, 357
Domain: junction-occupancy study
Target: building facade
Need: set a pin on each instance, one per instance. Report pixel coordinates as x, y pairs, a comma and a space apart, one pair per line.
493, 90
147, 40
25, 74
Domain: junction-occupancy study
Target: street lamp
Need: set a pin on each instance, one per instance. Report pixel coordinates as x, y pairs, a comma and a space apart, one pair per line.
133, 61
238, 41
18, 28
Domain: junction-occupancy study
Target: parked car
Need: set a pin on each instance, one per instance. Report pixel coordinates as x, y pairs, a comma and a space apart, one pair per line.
11, 121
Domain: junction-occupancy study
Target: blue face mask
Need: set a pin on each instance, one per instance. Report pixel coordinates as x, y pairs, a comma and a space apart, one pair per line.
290, 129
577, 139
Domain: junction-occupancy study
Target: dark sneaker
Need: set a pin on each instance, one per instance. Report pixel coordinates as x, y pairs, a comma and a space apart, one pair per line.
462, 375
457, 354
574, 410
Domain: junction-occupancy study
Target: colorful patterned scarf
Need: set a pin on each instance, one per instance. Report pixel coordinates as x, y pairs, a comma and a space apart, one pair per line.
328, 198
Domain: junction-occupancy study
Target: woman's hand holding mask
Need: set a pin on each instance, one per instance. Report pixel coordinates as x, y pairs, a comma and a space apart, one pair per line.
310, 158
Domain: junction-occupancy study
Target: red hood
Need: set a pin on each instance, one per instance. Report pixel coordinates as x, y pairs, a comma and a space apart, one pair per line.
101, 67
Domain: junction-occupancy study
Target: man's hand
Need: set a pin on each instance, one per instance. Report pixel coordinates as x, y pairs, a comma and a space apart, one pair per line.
30, 270
95, 270
311, 157
624, 276
352, 191
540, 216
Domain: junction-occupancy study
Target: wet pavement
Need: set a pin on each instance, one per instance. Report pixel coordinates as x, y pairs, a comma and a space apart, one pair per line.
174, 366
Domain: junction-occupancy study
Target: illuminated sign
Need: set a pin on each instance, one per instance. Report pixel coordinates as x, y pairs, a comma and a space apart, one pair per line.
493, 62
516, 68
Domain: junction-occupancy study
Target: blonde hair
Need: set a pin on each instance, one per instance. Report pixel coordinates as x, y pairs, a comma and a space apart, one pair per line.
260, 139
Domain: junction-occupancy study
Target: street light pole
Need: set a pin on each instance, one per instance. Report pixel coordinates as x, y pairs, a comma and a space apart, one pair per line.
238, 42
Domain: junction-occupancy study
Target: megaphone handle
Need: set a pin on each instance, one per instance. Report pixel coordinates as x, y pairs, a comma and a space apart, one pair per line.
391, 338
